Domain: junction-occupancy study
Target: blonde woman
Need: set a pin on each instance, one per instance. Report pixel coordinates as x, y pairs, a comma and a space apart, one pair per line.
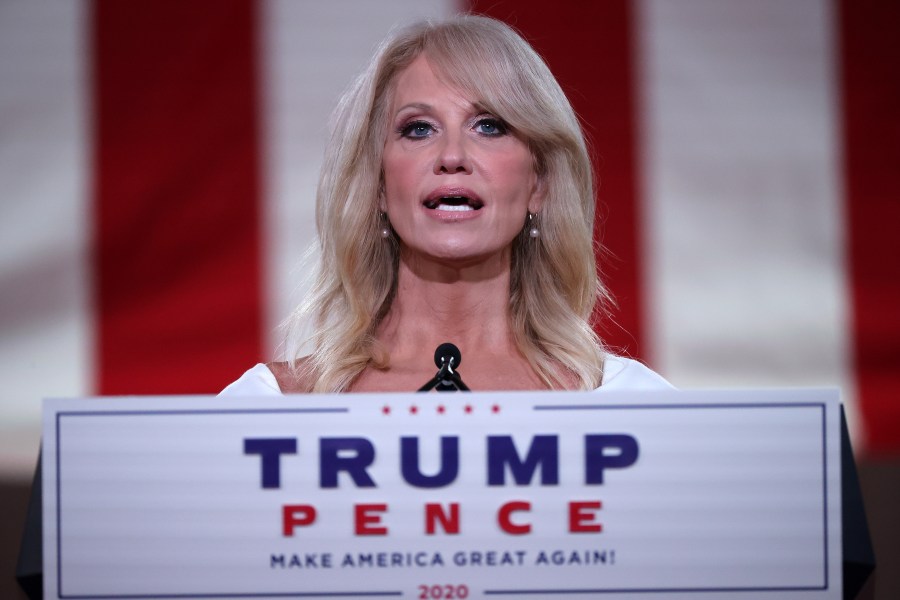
455, 204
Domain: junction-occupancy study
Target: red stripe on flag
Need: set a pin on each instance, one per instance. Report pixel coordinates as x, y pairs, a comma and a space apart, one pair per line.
588, 47
176, 180
870, 57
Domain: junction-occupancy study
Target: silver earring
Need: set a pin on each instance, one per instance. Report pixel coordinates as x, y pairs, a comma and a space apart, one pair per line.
385, 227
534, 231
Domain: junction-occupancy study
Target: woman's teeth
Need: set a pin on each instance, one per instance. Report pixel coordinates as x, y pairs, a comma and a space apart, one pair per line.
453, 204
454, 207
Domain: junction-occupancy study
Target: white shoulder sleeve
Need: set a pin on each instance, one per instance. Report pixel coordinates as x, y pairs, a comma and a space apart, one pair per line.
620, 373
258, 381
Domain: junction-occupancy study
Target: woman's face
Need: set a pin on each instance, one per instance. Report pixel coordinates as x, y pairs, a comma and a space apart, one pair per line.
457, 184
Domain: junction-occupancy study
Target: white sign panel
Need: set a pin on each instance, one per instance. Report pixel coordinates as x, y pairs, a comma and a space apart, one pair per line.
647, 494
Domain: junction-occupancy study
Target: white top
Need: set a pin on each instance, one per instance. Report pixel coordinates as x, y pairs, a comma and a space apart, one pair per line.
619, 373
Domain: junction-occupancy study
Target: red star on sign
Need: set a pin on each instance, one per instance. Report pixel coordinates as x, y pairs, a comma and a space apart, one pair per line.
413, 409
495, 408
440, 409
386, 410
468, 408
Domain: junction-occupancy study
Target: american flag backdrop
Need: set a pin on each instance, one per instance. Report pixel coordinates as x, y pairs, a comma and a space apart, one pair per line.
158, 162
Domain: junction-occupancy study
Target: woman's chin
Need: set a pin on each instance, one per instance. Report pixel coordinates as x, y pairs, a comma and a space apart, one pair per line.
457, 255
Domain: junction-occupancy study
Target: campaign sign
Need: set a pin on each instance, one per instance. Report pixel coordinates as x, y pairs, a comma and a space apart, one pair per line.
706, 494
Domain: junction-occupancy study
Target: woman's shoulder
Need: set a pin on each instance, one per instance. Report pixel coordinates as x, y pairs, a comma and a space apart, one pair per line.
270, 379
258, 380
620, 373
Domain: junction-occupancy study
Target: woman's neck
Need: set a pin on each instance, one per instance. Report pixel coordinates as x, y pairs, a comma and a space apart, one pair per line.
435, 303
466, 305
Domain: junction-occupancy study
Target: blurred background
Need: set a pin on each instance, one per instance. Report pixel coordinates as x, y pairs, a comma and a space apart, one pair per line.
158, 162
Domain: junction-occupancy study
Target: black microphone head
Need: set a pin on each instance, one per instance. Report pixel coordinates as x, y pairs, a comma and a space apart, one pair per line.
447, 351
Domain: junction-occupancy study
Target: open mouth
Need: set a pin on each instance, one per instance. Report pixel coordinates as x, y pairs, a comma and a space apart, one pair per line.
453, 203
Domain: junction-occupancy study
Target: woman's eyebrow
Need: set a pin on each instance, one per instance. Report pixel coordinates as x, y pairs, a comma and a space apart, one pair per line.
415, 105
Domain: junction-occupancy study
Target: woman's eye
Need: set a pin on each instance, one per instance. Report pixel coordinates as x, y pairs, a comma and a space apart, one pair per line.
490, 126
416, 129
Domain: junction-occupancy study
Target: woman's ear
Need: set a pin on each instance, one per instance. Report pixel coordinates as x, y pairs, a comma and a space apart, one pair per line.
538, 194
382, 205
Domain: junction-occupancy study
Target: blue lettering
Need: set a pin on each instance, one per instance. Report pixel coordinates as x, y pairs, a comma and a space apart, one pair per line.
543, 452
409, 463
270, 451
607, 451
332, 461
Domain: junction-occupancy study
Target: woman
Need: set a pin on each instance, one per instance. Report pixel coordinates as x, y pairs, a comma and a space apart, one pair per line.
455, 204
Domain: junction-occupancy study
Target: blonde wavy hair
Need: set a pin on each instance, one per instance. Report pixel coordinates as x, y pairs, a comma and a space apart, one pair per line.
554, 285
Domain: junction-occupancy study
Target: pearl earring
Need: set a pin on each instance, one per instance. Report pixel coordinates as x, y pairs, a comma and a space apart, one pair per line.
385, 227
534, 231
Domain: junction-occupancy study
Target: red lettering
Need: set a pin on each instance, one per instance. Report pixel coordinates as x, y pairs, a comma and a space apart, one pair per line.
445, 518
293, 515
583, 516
368, 518
503, 517
435, 513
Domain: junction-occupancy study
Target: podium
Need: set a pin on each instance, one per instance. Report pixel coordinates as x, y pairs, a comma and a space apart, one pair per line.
649, 494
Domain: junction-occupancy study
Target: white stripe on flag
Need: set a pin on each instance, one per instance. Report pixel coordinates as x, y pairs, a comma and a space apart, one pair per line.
311, 53
45, 347
746, 266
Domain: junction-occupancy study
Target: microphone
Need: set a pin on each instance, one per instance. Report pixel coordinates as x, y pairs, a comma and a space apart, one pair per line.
447, 358
447, 353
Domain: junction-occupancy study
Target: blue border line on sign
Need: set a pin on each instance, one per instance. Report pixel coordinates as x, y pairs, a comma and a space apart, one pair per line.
58, 506
825, 492
234, 411
262, 595
654, 406
498, 592
649, 591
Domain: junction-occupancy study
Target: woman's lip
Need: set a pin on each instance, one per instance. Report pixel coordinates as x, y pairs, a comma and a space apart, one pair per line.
433, 199
453, 214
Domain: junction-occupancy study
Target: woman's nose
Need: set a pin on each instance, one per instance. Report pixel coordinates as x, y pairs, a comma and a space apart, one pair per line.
453, 156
